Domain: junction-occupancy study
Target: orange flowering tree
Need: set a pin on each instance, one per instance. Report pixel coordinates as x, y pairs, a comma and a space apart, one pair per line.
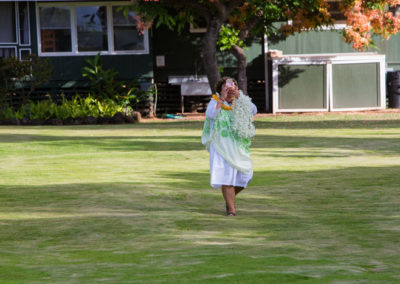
231, 24
368, 17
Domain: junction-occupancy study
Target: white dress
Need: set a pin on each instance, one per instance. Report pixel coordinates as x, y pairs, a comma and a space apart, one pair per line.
222, 173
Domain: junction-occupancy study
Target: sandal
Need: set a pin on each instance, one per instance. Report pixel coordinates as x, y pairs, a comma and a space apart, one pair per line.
231, 214
227, 208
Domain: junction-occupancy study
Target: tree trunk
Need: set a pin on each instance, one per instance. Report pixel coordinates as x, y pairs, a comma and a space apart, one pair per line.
210, 52
238, 52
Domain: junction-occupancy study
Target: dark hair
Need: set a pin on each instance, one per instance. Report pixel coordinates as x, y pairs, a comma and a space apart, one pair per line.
222, 81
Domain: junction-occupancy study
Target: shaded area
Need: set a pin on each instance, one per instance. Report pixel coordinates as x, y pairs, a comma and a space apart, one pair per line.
330, 124
380, 144
321, 225
296, 222
287, 74
327, 121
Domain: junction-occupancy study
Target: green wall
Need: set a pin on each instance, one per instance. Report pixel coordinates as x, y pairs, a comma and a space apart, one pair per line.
328, 41
128, 66
312, 42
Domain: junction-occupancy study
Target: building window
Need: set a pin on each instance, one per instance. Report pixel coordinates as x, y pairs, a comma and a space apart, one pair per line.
55, 29
7, 52
24, 31
126, 36
8, 33
92, 28
24, 53
86, 29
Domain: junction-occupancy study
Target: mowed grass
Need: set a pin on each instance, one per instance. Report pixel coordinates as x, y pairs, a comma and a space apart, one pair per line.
132, 204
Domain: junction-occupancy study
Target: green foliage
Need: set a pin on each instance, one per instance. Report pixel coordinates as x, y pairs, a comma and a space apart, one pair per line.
175, 17
108, 108
87, 106
105, 88
102, 81
22, 112
82, 107
42, 110
22, 76
228, 37
64, 109
78, 107
6, 112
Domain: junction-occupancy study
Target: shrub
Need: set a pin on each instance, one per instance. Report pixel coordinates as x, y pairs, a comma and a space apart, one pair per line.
78, 107
22, 77
102, 81
7, 112
105, 87
42, 110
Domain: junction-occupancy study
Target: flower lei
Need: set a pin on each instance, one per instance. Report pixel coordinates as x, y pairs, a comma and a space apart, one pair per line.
243, 117
215, 97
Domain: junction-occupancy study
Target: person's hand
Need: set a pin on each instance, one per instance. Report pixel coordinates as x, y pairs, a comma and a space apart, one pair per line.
219, 103
232, 93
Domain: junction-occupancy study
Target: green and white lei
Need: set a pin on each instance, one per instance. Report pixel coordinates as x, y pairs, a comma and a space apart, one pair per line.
242, 113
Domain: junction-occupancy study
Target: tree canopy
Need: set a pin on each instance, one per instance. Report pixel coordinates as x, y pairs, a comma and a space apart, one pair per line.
232, 22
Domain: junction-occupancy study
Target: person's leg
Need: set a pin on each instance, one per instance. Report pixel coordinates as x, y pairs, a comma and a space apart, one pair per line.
238, 189
228, 192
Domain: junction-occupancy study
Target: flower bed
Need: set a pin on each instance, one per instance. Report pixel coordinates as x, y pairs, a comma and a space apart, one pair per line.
80, 110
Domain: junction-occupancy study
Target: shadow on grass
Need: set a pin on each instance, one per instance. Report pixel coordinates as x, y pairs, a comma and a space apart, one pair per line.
331, 204
263, 123
167, 124
118, 143
326, 222
329, 124
355, 188
381, 144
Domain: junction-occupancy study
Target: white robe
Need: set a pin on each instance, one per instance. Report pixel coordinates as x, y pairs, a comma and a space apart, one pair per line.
222, 173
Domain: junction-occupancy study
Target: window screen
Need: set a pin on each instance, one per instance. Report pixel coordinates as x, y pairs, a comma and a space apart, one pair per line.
7, 23
24, 23
92, 28
55, 29
126, 35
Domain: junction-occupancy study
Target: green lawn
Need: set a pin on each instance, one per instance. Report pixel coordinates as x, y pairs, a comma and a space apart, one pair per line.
132, 204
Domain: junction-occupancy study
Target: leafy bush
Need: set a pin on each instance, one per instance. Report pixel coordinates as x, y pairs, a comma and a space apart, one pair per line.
109, 108
77, 107
22, 77
105, 87
63, 110
102, 81
7, 112
22, 112
42, 110
89, 106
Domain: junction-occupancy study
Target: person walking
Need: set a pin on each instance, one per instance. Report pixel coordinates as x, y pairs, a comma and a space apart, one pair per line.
227, 133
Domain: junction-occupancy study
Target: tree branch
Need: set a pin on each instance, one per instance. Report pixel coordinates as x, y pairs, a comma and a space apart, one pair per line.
224, 10
244, 33
220, 8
